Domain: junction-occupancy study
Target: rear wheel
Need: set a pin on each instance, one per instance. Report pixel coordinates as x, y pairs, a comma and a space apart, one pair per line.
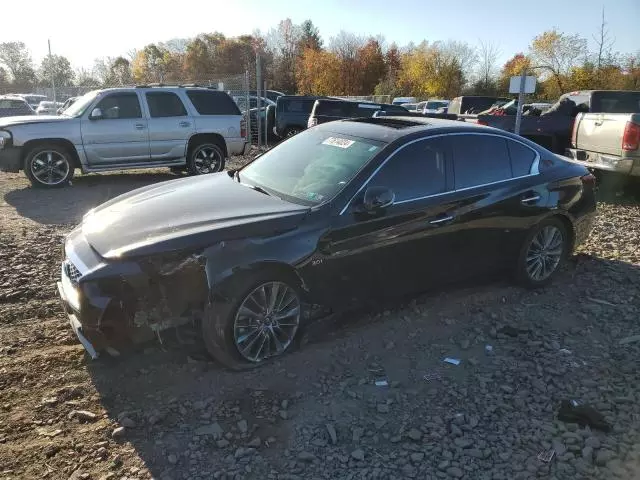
543, 253
49, 166
205, 158
258, 322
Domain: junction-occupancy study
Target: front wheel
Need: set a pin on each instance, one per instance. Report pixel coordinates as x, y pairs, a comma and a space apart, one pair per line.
543, 253
48, 166
259, 321
205, 158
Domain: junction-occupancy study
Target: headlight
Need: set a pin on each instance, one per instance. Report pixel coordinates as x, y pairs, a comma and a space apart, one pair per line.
5, 138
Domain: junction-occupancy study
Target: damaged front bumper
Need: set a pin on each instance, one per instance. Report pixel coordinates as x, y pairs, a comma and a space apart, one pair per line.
115, 304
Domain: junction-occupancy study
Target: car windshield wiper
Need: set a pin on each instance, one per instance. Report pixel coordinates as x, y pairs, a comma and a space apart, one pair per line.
258, 189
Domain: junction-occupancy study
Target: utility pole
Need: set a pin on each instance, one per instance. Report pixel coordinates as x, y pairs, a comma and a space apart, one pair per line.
258, 81
523, 79
53, 74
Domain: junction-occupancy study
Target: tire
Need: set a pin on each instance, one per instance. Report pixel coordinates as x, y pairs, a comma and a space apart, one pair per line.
239, 348
49, 165
533, 271
204, 158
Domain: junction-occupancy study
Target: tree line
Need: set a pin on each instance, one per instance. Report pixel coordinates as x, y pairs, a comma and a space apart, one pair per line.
295, 59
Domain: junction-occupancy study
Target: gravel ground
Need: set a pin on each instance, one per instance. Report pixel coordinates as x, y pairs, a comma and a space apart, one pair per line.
168, 413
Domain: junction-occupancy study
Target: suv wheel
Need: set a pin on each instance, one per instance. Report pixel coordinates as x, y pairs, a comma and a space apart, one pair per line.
543, 253
49, 166
257, 321
205, 158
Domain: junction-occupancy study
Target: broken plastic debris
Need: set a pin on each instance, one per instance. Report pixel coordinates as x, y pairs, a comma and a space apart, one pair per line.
452, 361
382, 382
488, 348
601, 302
582, 415
546, 456
564, 350
575, 403
432, 376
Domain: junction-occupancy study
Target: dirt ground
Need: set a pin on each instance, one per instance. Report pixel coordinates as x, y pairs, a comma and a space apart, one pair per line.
167, 412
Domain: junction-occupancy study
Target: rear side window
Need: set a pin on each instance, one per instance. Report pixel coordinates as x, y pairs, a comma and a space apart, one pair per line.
416, 171
394, 109
479, 159
332, 109
120, 106
615, 102
522, 158
298, 105
6, 103
165, 104
212, 103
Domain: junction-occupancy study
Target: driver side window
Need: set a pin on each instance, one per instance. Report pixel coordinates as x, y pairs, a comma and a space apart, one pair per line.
120, 106
417, 170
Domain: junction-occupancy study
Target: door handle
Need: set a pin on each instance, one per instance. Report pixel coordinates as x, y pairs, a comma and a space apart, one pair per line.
139, 126
185, 124
441, 220
533, 198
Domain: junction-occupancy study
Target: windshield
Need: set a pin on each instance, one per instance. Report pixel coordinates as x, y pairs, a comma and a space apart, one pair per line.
78, 107
310, 168
436, 105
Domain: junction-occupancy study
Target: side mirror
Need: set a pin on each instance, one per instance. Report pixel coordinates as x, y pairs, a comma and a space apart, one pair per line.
96, 114
377, 198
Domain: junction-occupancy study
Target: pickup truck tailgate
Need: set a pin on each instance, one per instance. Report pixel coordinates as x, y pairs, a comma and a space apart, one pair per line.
601, 132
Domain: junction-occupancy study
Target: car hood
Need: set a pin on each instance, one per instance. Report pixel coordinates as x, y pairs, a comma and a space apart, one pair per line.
26, 119
192, 212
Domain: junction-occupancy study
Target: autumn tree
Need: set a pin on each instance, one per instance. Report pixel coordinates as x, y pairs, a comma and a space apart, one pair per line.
345, 47
318, 73
513, 67
283, 44
371, 66
557, 53
389, 84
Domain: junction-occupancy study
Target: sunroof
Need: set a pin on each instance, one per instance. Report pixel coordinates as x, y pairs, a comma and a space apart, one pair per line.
390, 122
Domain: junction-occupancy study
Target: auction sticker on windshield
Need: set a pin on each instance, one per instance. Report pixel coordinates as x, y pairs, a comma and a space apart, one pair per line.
338, 142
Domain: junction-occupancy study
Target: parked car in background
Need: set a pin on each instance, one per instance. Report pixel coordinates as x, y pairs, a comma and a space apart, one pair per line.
292, 113
124, 128
474, 104
608, 137
67, 103
435, 106
412, 107
374, 208
327, 110
11, 106
401, 100
241, 101
33, 99
553, 127
48, 108
270, 94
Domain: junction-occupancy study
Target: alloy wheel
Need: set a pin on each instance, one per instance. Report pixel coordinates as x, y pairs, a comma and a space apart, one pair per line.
207, 159
50, 167
266, 321
544, 253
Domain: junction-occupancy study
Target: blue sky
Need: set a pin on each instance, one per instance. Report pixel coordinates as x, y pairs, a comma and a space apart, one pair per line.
83, 33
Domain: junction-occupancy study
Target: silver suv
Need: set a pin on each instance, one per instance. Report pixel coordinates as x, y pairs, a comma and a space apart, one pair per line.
125, 128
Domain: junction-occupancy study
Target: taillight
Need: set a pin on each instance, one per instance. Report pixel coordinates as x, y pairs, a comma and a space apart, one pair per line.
574, 132
482, 122
243, 128
631, 137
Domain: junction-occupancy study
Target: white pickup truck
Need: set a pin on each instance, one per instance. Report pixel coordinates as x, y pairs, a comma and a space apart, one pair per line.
123, 128
609, 140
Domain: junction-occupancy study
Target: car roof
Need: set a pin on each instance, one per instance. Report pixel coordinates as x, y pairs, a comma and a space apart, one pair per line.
388, 129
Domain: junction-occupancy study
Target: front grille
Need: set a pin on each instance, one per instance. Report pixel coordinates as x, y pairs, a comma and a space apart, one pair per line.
72, 272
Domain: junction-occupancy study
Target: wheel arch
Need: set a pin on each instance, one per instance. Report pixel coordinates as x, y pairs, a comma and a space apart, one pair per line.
567, 222
198, 138
63, 142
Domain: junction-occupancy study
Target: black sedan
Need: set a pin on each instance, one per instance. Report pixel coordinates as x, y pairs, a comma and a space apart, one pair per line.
339, 214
